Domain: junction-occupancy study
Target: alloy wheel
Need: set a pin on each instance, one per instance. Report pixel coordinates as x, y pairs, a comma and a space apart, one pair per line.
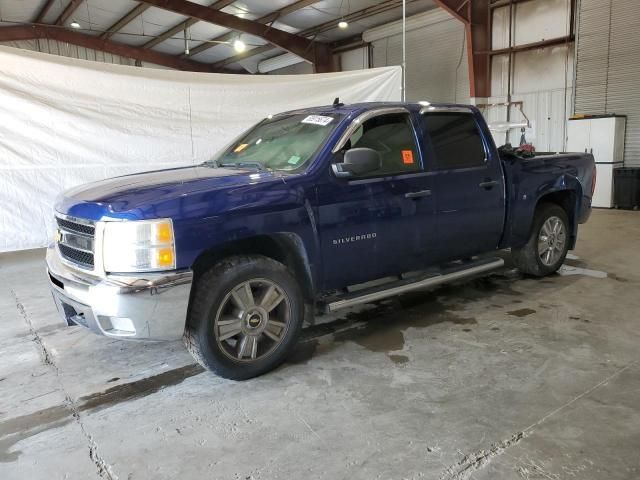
252, 320
552, 240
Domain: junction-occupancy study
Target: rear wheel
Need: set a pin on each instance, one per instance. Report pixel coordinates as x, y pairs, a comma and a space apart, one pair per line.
246, 316
548, 243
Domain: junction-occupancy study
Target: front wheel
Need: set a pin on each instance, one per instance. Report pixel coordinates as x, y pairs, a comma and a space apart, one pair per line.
246, 316
548, 243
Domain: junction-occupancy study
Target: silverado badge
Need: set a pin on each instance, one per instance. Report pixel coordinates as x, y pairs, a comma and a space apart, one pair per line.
354, 238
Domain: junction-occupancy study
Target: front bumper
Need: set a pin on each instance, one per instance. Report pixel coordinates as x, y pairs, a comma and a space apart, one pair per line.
148, 306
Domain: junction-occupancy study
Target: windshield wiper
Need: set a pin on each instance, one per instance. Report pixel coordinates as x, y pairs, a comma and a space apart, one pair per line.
256, 165
211, 163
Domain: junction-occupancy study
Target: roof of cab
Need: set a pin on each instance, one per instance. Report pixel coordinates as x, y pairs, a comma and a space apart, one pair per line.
350, 108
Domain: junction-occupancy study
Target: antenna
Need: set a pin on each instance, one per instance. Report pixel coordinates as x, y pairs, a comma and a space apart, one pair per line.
337, 102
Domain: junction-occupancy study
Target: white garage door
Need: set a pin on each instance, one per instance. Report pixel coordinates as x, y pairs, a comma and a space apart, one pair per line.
437, 68
608, 65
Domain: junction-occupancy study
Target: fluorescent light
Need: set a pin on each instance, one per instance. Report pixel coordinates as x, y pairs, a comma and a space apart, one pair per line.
239, 46
74, 24
343, 24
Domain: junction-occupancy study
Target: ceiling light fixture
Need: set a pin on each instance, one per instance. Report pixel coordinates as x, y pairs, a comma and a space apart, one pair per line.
239, 46
74, 24
343, 24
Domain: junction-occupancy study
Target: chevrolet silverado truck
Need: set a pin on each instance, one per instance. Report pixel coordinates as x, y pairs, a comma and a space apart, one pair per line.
291, 219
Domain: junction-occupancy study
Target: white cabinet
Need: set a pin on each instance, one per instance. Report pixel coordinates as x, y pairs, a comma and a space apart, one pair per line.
604, 137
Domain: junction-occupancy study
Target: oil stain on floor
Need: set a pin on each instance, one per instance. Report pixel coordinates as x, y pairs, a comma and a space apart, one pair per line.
522, 312
17, 429
378, 328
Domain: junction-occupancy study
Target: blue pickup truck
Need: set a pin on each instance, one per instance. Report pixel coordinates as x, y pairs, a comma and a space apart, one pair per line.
235, 254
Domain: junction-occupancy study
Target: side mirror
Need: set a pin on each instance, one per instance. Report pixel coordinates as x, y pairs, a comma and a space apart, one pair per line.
358, 161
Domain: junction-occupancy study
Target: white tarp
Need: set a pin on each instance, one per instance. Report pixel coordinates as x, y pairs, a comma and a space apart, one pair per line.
64, 122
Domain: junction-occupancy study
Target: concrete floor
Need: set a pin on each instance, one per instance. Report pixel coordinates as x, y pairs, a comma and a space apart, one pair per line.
496, 378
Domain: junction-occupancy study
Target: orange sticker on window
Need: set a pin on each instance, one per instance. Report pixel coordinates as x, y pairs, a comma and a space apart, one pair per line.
240, 147
407, 157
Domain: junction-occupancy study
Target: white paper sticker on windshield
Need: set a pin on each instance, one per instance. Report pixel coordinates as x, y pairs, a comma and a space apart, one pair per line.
318, 120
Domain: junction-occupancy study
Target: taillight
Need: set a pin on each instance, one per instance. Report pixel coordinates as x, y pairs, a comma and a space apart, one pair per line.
593, 182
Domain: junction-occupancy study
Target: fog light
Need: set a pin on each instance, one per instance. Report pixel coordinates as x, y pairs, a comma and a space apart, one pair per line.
121, 326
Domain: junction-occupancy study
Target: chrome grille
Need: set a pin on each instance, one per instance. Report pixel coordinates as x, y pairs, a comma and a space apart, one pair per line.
76, 227
76, 256
75, 239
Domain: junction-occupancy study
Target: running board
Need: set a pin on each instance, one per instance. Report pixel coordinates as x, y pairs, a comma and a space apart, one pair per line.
379, 293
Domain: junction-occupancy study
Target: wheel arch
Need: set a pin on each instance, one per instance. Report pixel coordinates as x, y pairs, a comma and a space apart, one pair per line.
568, 200
286, 248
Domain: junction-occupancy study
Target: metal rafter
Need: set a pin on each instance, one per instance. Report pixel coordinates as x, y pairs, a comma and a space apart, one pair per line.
552, 42
271, 17
318, 29
295, 44
30, 32
43, 11
71, 7
219, 5
134, 13
479, 40
476, 16
505, 3
458, 8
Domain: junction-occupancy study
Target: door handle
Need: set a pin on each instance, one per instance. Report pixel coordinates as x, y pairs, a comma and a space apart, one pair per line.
421, 193
488, 184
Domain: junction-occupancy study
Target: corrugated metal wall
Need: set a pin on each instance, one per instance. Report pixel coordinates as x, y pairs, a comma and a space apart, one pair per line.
437, 68
63, 49
67, 50
356, 59
542, 79
296, 69
608, 65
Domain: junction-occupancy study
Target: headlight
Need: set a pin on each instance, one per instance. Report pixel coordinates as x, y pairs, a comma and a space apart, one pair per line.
139, 246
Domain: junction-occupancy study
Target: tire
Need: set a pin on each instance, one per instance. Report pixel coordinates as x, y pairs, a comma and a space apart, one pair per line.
534, 258
233, 337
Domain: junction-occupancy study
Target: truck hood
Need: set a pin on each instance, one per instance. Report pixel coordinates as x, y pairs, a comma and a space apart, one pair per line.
122, 196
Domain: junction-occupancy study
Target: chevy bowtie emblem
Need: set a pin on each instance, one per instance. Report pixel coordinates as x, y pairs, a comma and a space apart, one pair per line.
58, 236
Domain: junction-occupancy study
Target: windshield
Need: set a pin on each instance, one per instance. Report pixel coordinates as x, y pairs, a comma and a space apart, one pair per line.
284, 142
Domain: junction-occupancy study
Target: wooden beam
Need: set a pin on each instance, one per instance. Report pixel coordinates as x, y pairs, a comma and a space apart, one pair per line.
71, 7
43, 11
30, 32
300, 4
134, 13
219, 5
295, 44
313, 31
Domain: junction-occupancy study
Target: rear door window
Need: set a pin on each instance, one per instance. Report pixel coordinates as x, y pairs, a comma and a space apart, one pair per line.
455, 139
